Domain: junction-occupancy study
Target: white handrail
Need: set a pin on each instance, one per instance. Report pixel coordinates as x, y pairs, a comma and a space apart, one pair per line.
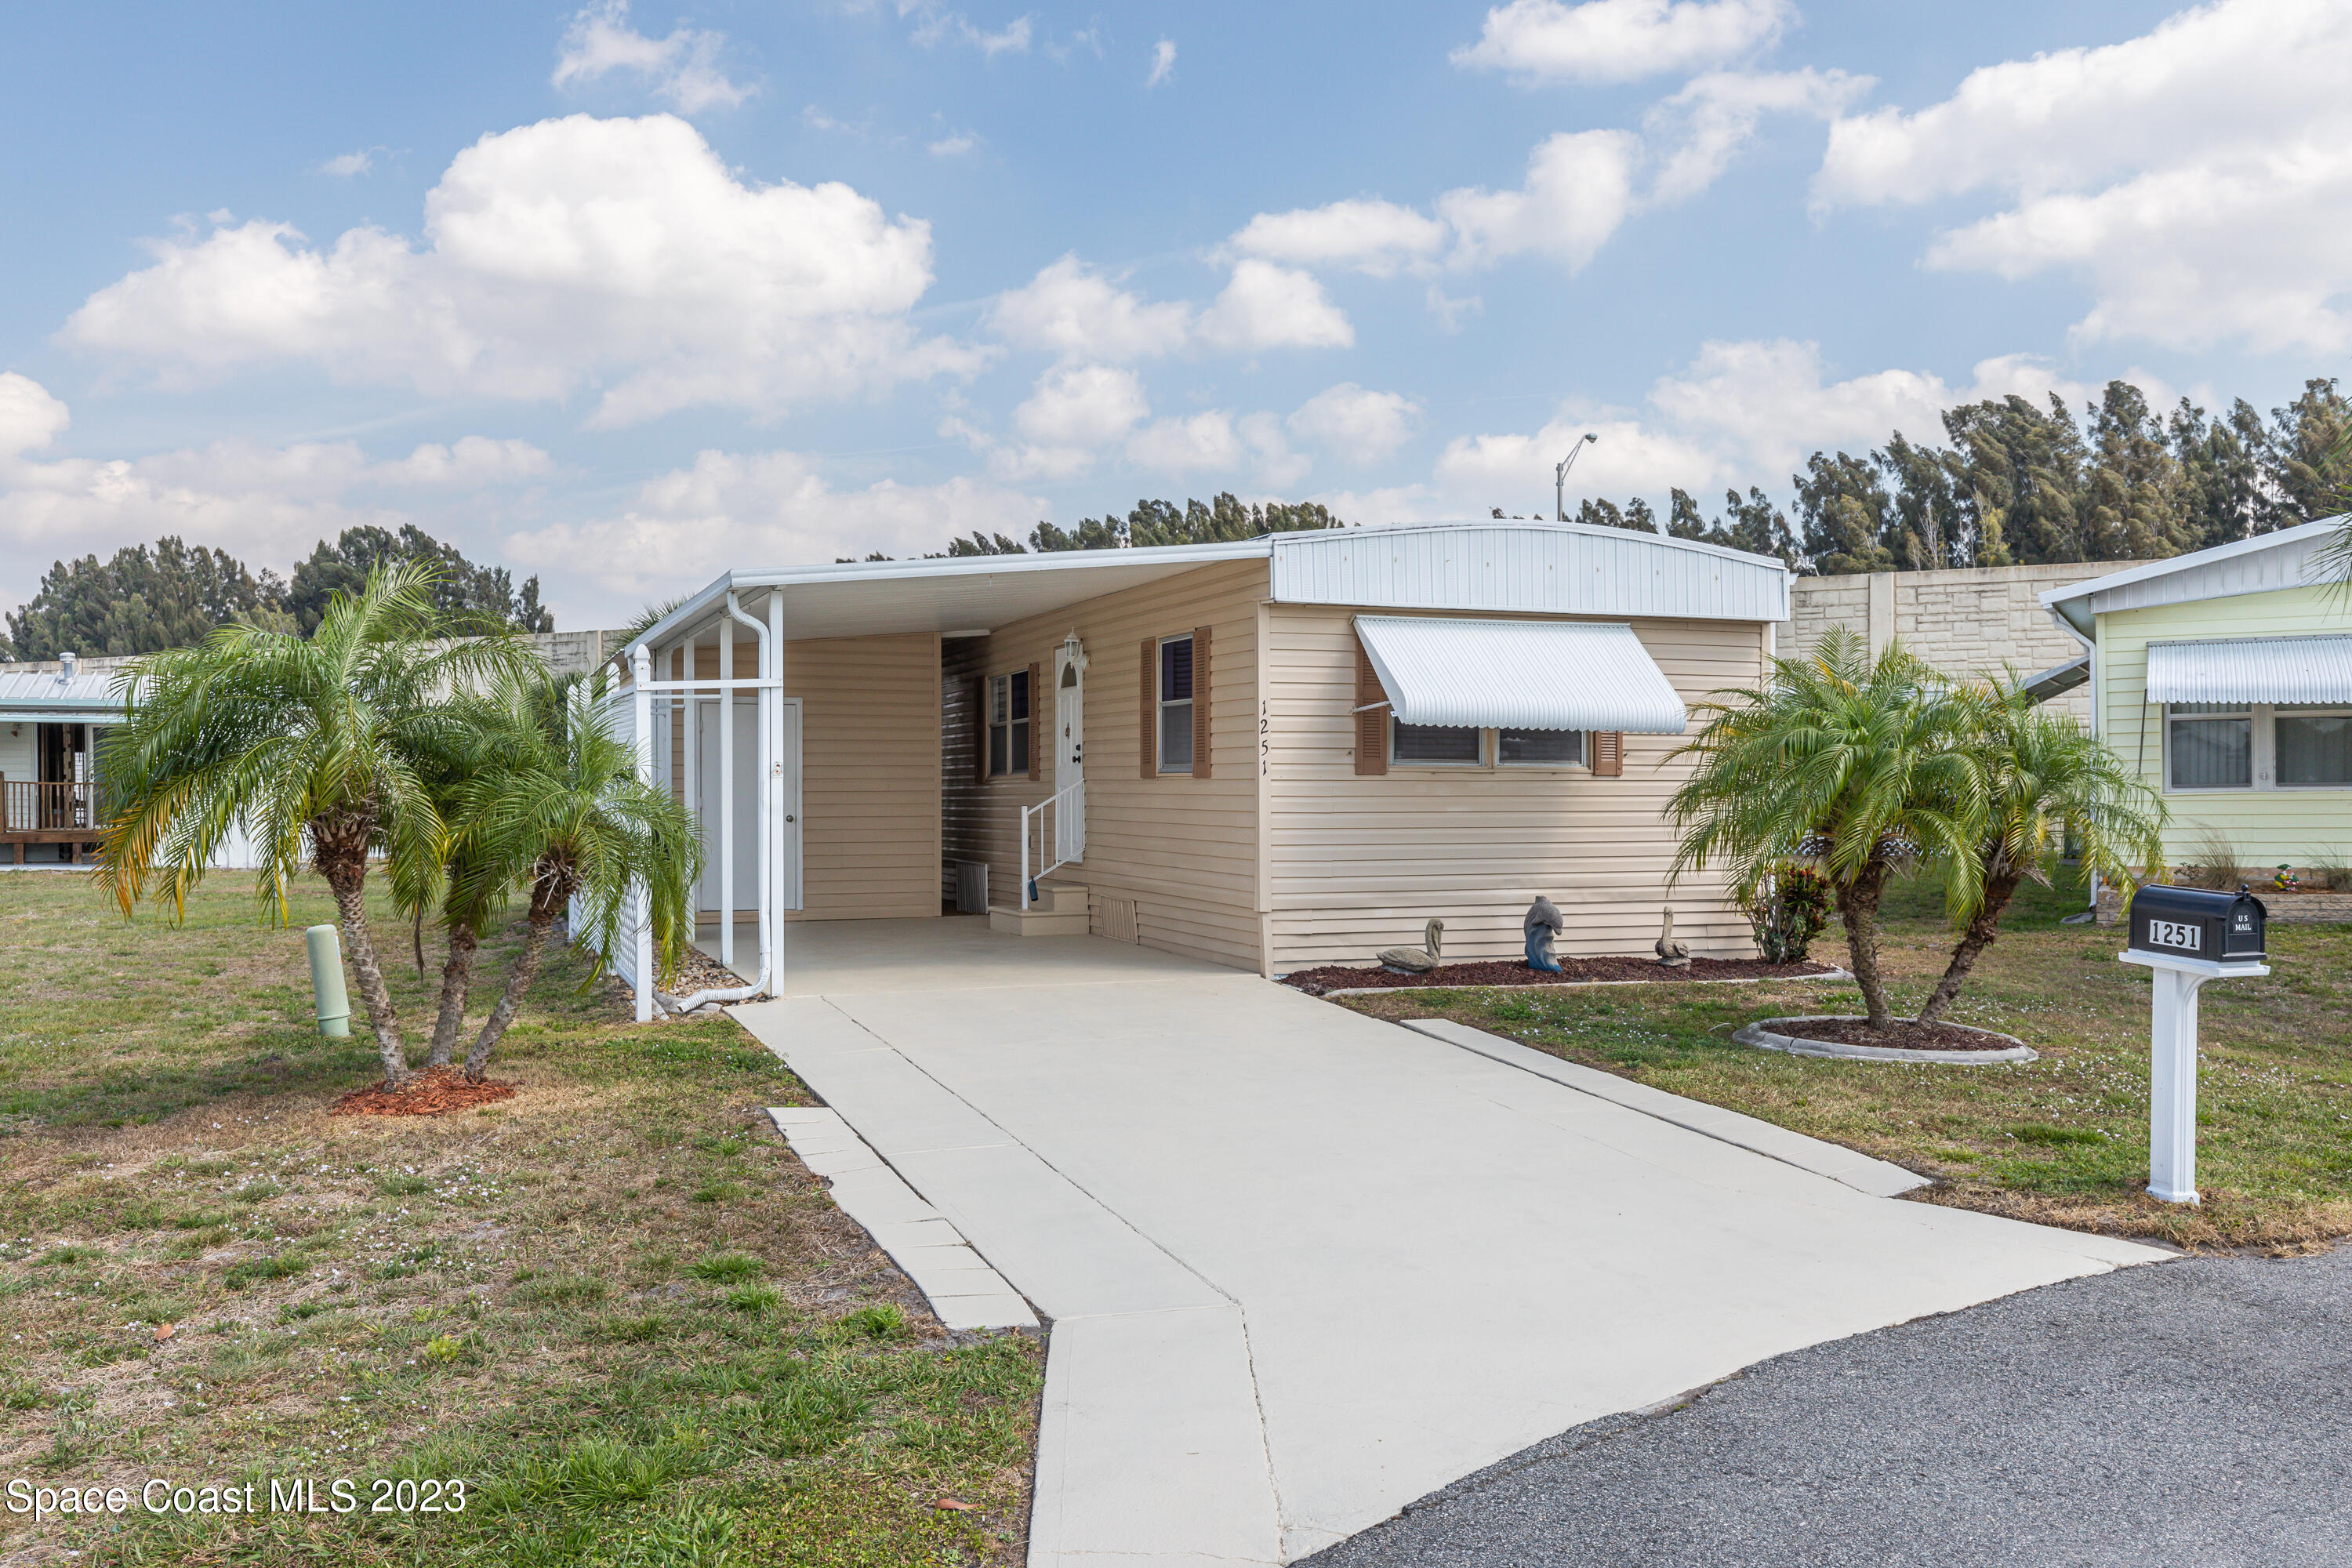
1061, 802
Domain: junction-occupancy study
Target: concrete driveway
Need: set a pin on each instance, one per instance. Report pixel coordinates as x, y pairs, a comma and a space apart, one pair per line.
1302, 1267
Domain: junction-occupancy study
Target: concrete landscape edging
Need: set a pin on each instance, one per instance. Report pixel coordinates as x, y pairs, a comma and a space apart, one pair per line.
1572, 984
1769, 1039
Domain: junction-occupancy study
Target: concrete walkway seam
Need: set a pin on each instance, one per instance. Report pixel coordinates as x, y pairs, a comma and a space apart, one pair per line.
1878, 1178
963, 1291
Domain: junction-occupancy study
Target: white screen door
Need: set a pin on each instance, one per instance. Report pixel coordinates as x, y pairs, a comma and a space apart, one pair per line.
747, 803
1069, 753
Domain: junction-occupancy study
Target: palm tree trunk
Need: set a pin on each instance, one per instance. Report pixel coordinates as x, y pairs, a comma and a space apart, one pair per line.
526, 970
1981, 930
350, 887
1858, 909
457, 979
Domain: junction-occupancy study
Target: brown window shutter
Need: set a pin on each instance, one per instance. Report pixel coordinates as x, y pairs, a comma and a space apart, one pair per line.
1372, 722
1150, 701
1199, 702
1036, 723
1607, 753
980, 729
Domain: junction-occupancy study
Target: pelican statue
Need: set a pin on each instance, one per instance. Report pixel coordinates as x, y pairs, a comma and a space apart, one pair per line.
1671, 953
1415, 959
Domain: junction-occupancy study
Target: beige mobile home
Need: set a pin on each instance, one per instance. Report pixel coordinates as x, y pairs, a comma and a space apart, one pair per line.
1271, 753
2224, 678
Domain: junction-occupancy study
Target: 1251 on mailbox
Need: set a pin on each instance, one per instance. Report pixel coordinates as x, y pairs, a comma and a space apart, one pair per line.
2194, 922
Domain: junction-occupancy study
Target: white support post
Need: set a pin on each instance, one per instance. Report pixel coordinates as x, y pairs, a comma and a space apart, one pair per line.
2172, 1065
2172, 1087
726, 794
768, 656
773, 696
691, 756
641, 668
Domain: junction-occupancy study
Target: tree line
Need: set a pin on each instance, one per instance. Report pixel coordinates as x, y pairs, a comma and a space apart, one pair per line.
170, 594
1151, 522
2020, 484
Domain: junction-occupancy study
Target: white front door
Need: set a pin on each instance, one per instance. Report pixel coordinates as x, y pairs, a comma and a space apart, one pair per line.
1069, 753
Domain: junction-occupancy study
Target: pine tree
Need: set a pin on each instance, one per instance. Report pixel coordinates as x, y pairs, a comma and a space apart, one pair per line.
141, 601
463, 591
1846, 514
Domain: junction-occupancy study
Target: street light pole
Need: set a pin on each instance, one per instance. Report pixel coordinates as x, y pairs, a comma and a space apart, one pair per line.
1559, 478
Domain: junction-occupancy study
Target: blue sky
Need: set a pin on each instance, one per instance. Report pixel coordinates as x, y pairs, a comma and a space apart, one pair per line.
624, 295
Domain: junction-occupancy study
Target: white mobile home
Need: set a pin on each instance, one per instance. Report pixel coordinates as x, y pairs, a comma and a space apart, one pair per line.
1272, 754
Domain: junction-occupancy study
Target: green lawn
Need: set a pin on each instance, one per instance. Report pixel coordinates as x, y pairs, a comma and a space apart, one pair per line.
615, 1304
2063, 1140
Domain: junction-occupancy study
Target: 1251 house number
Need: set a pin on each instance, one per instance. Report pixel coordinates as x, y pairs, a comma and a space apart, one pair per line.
2173, 933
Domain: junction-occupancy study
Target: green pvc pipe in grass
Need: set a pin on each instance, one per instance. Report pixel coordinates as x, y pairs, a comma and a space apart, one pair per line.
326, 982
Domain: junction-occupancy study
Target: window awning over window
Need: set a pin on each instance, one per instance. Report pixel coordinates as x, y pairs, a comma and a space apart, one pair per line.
2252, 669
1520, 675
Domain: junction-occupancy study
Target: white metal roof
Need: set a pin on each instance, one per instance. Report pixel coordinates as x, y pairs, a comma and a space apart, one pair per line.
2284, 558
2252, 669
1560, 568
1536, 568
44, 695
1520, 675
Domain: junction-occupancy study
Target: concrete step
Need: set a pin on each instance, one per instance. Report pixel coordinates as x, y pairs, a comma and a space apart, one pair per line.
1059, 909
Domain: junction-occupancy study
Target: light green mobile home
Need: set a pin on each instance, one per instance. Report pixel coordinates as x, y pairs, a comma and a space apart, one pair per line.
2225, 679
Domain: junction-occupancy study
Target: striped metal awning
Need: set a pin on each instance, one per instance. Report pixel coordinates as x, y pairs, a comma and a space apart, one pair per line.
1520, 675
2252, 669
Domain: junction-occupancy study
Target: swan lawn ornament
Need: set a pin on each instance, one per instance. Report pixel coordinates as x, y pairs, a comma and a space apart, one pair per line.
1415, 959
1543, 925
1671, 953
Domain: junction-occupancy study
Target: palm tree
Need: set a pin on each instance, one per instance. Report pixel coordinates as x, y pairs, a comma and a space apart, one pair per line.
2046, 780
1852, 764
554, 809
321, 744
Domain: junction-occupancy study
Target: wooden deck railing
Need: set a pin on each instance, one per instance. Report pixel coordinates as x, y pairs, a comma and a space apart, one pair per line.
29, 807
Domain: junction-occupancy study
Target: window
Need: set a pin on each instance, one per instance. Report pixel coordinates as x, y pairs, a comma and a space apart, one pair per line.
1008, 724
2211, 745
1453, 745
1539, 748
2314, 746
1176, 705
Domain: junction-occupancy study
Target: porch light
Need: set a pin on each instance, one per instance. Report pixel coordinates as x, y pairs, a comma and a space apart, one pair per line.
1074, 659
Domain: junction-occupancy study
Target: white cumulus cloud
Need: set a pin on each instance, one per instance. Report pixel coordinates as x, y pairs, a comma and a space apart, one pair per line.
1371, 236
1163, 60
2197, 178
683, 68
345, 166
1579, 189
1355, 422
682, 528
1071, 308
1621, 40
31, 417
1268, 307
573, 253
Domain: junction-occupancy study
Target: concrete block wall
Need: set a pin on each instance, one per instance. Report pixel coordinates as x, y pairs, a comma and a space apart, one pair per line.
1968, 621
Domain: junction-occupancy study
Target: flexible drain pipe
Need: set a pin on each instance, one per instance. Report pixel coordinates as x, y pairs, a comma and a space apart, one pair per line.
727, 819
326, 982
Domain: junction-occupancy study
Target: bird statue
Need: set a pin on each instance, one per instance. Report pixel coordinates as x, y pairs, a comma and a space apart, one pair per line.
1415, 959
1671, 953
1543, 925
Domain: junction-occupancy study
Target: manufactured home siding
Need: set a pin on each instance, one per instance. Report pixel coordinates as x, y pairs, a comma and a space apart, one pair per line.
1362, 863
869, 770
1183, 850
2265, 827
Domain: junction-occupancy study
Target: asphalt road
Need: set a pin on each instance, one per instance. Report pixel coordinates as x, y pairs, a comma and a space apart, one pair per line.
2190, 1412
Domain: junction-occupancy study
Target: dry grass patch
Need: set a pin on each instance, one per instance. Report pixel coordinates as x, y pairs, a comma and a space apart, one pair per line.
522, 1295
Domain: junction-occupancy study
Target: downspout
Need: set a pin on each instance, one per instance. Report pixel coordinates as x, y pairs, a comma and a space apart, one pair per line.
2098, 702
641, 671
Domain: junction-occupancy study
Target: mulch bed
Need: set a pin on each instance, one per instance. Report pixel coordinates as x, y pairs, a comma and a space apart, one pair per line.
1907, 1035
1572, 972
436, 1091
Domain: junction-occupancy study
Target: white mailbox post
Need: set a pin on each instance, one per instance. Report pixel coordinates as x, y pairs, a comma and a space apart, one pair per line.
2187, 936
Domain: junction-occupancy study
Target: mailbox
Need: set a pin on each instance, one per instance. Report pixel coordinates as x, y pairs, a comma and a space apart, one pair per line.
2193, 923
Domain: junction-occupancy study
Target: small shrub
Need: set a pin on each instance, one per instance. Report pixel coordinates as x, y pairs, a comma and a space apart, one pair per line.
1791, 913
443, 1349
726, 1268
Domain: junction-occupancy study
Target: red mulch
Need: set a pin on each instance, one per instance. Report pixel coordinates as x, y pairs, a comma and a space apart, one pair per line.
1572, 972
436, 1091
1907, 1035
